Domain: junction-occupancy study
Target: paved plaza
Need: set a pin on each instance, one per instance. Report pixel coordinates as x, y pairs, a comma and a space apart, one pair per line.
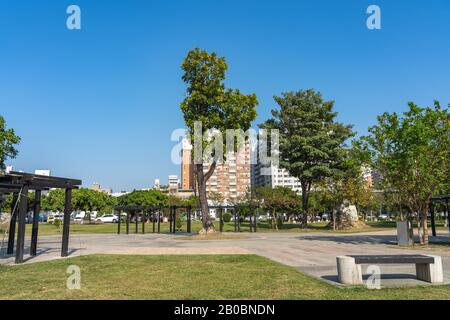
312, 253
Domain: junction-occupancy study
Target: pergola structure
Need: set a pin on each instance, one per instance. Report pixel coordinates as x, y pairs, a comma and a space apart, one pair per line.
146, 212
439, 199
19, 184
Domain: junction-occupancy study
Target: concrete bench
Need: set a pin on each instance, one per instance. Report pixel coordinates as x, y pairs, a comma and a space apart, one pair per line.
428, 268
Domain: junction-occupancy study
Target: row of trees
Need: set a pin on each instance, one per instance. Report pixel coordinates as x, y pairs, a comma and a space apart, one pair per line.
90, 200
410, 151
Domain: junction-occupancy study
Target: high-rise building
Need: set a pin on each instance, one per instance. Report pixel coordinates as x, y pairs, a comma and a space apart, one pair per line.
271, 175
232, 178
157, 184
174, 184
187, 167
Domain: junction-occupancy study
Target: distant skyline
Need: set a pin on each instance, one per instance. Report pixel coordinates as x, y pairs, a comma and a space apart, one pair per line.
100, 103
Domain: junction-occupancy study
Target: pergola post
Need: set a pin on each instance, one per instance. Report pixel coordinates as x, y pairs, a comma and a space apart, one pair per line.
12, 224
136, 223
153, 220
170, 219
118, 221
128, 222
433, 220
239, 221
448, 215
235, 219
35, 229
23, 207
143, 222
220, 219
66, 223
159, 220
256, 221
174, 219
189, 220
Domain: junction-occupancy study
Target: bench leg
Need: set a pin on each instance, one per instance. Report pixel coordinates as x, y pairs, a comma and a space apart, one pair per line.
432, 272
348, 271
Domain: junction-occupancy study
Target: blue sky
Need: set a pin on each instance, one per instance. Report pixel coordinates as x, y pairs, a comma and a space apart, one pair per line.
100, 103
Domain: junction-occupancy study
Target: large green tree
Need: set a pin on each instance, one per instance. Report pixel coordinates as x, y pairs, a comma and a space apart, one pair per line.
143, 198
8, 141
312, 142
412, 153
217, 109
278, 201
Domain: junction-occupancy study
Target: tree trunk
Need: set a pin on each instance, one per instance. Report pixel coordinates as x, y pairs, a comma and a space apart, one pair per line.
274, 220
402, 216
305, 203
208, 226
425, 240
333, 215
419, 229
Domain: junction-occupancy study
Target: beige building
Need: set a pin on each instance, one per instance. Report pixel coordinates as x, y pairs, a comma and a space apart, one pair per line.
187, 167
231, 179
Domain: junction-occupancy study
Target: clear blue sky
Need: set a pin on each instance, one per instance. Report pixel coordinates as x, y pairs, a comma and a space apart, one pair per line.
100, 103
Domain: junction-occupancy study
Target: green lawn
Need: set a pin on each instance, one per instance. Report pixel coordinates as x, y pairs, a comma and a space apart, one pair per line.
48, 229
184, 277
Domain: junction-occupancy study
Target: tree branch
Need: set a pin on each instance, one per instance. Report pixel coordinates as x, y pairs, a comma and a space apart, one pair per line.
210, 171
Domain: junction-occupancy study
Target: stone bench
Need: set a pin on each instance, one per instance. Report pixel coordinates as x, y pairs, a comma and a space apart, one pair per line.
428, 268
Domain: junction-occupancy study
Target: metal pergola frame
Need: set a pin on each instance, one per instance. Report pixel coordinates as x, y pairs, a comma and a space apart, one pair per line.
439, 199
19, 184
147, 211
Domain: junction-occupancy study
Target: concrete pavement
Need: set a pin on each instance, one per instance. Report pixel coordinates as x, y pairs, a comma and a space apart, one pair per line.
312, 253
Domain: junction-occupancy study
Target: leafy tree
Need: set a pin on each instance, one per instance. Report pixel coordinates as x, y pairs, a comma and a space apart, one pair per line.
277, 201
8, 140
143, 198
82, 199
412, 153
217, 108
54, 201
312, 143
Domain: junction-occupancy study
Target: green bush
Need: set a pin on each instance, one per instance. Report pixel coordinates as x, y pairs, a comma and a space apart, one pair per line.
179, 222
57, 223
226, 217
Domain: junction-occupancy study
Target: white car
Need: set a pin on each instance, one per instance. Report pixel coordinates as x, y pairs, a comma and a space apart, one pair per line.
108, 218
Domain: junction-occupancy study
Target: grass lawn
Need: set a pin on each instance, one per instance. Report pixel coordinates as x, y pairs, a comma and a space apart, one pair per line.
48, 229
184, 277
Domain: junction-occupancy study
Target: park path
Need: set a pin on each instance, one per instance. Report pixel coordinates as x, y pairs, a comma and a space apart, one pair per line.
312, 253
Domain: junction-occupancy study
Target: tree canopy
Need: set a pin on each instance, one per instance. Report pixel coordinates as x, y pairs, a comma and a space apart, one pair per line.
312, 143
143, 198
216, 108
412, 153
8, 141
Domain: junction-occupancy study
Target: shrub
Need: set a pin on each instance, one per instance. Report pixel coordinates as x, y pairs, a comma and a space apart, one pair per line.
179, 222
226, 217
57, 223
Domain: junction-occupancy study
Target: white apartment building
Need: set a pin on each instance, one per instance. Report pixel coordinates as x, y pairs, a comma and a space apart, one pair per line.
271, 175
274, 176
43, 172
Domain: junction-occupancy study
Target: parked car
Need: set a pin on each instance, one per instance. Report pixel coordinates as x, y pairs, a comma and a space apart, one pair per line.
383, 217
108, 218
43, 217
